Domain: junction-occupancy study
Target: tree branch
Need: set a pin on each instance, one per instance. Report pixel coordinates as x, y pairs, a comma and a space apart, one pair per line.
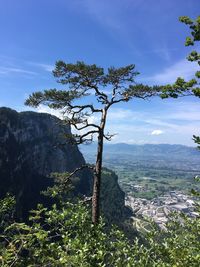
108, 136
98, 93
79, 169
81, 137
85, 126
82, 107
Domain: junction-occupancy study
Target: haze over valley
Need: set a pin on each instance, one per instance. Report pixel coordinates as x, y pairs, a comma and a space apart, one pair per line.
156, 168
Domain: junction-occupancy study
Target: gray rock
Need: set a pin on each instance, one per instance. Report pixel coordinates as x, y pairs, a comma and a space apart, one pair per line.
33, 145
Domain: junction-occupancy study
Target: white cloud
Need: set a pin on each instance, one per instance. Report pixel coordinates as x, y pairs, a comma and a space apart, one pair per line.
157, 132
45, 109
183, 68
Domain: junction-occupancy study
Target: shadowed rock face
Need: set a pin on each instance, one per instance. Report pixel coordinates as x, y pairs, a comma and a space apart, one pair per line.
32, 145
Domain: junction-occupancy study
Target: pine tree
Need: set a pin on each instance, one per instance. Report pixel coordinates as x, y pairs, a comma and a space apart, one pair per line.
82, 81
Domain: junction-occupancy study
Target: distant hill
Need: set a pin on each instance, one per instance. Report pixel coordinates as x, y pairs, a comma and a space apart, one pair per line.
162, 151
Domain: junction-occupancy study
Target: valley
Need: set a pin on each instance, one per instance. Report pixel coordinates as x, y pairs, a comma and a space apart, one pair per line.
148, 171
156, 179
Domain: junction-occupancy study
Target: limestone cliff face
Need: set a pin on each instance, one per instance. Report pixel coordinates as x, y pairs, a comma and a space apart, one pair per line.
32, 145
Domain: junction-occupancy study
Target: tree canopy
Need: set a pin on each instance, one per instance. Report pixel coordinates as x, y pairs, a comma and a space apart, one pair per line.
191, 87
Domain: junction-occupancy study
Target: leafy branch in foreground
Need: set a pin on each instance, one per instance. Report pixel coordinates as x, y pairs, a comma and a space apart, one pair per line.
64, 236
64, 183
7, 210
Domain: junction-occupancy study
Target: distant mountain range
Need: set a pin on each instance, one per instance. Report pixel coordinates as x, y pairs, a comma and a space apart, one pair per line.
162, 151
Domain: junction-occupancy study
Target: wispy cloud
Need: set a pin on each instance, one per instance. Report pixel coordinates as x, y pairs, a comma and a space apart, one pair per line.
46, 67
176, 123
104, 12
112, 15
182, 68
8, 70
20, 66
183, 111
163, 52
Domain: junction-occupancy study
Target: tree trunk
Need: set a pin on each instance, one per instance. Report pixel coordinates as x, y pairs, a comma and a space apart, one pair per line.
97, 182
97, 172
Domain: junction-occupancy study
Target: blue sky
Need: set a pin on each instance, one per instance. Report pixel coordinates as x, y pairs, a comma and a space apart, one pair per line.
34, 34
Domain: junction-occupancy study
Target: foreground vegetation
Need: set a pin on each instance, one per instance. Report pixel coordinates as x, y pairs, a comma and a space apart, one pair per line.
64, 236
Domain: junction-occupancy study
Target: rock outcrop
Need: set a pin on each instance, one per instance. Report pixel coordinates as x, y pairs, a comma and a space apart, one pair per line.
32, 146
112, 198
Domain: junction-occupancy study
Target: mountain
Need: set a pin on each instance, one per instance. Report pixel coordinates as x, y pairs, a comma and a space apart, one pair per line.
126, 158
147, 150
162, 156
32, 145
30, 149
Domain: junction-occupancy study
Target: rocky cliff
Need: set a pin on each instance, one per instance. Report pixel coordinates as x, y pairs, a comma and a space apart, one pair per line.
32, 145
112, 197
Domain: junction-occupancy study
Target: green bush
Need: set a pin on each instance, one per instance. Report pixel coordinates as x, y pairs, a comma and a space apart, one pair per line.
65, 236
